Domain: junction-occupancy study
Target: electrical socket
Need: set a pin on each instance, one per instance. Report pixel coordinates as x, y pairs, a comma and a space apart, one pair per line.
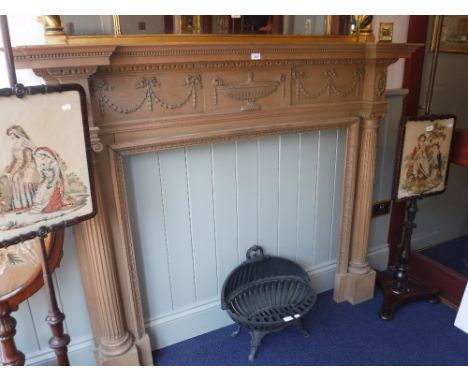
381, 208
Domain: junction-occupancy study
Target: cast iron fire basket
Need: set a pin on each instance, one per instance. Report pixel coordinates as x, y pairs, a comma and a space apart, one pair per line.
266, 294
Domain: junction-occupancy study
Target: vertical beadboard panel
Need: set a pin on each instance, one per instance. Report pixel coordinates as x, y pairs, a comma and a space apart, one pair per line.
147, 217
225, 207
247, 195
26, 338
196, 211
178, 228
326, 180
268, 193
201, 207
307, 195
288, 186
69, 284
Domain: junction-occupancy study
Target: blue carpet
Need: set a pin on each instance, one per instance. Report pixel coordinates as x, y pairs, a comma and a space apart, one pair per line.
341, 334
452, 254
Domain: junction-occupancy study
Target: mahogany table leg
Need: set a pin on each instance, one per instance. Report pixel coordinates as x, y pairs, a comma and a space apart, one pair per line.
10, 355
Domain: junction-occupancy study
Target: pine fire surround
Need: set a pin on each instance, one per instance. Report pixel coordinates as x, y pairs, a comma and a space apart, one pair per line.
150, 97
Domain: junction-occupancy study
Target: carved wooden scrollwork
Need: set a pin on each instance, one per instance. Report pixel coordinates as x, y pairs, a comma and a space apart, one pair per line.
150, 97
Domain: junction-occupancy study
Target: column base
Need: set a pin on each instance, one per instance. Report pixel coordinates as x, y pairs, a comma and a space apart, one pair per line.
139, 354
354, 288
129, 358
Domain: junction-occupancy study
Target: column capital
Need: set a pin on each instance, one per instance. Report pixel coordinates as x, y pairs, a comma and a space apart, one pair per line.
67, 74
371, 122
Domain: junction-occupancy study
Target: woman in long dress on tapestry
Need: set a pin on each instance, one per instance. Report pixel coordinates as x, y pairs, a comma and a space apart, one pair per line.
50, 195
22, 171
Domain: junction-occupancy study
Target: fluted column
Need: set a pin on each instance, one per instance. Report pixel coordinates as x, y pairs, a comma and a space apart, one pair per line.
347, 209
361, 278
115, 345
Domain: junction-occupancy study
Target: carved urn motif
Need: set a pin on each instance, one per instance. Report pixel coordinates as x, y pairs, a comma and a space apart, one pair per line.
249, 91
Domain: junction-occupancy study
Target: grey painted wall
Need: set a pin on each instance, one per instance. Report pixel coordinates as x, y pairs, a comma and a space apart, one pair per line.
445, 216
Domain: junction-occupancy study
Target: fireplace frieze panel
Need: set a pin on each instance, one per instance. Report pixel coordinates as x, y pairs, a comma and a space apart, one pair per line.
149, 93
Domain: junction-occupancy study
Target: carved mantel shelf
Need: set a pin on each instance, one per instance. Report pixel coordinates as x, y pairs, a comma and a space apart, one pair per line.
63, 56
151, 97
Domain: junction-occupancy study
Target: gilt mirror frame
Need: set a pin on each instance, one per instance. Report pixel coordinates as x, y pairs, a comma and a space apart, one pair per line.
360, 31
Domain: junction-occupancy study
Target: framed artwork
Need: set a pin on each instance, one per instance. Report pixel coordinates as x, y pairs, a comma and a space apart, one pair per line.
423, 156
45, 171
454, 36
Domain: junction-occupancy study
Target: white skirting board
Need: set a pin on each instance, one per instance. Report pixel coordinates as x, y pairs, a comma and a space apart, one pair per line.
378, 257
80, 353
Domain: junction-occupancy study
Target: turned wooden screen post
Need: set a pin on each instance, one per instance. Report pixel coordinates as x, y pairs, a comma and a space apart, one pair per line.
55, 317
10, 354
417, 33
398, 286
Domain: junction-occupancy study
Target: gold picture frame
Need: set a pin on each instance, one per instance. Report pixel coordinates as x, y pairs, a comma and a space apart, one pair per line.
385, 32
454, 36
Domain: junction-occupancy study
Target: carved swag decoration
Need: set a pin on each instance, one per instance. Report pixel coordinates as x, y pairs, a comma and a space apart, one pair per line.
148, 85
329, 87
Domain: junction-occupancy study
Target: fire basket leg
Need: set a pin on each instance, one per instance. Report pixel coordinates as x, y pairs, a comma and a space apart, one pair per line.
256, 339
236, 332
300, 325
